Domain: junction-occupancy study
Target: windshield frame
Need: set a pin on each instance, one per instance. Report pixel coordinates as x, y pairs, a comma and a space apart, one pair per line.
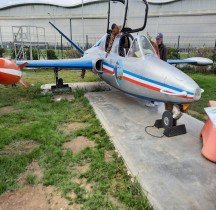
143, 49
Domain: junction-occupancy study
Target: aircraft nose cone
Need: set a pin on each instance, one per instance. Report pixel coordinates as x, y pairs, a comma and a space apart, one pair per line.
198, 93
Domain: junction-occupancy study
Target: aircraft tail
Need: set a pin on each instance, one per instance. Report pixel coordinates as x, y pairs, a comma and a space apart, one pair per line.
66, 37
21, 66
23, 83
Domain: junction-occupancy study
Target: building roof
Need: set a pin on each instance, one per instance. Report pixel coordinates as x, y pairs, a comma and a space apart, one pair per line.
63, 3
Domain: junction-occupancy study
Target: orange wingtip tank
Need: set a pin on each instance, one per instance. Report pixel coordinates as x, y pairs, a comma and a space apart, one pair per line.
10, 73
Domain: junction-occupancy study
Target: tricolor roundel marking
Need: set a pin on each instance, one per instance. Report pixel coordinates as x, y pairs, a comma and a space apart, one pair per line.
118, 72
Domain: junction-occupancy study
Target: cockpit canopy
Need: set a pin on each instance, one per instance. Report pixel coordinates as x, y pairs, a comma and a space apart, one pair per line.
141, 47
126, 45
120, 12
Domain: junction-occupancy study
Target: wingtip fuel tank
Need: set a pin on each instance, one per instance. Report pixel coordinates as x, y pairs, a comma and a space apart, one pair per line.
11, 73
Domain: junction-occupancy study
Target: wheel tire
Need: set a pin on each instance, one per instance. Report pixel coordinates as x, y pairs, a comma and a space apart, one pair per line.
168, 120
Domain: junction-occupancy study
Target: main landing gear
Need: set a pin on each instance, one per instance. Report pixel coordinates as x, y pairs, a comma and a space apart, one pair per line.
59, 86
169, 122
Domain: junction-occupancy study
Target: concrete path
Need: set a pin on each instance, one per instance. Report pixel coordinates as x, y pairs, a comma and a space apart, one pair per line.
171, 170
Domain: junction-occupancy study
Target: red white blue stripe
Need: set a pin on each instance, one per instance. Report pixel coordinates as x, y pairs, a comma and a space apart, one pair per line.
146, 82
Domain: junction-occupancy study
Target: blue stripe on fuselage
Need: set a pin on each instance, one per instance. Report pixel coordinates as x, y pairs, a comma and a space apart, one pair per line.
149, 80
143, 97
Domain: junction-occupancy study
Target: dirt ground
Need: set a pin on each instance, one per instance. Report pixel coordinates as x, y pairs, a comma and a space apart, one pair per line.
70, 127
40, 197
19, 147
8, 109
33, 169
108, 156
79, 143
36, 197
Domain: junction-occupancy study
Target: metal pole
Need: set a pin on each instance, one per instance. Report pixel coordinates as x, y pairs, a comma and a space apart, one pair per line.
22, 45
214, 55
82, 25
71, 28
71, 36
29, 38
86, 45
38, 51
189, 50
178, 42
61, 47
53, 18
55, 33
1, 37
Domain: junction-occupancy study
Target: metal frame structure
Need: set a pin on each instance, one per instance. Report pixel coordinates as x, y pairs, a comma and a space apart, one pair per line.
28, 37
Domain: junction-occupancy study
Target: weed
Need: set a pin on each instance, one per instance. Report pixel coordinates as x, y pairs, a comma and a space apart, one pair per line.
31, 179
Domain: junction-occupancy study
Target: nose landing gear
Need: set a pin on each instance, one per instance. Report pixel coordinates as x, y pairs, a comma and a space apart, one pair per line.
169, 123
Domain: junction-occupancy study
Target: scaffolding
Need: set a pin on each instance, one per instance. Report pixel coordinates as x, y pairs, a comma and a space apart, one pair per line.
29, 37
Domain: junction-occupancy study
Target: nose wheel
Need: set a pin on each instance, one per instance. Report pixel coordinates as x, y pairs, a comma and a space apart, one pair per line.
168, 120
170, 125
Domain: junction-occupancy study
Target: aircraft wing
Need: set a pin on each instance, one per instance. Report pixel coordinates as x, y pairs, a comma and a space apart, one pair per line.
80, 63
181, 62
198, 61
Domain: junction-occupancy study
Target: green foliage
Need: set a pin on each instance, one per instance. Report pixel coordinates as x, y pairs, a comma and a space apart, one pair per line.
51, 55
73, 54
7, 52
34, 54
206, 82
214, 55
27, 54
173, 53
214, 60
12, 54
2, 51
205, 52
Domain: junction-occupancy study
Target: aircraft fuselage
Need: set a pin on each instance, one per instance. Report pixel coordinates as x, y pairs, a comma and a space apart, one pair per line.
146, 77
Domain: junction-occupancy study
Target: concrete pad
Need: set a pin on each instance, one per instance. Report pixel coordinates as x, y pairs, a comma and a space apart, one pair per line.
171, 170
87, 86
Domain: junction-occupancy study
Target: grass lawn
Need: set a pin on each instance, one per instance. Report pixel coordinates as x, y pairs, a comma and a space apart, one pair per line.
36, 151
208, 83
36, 130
